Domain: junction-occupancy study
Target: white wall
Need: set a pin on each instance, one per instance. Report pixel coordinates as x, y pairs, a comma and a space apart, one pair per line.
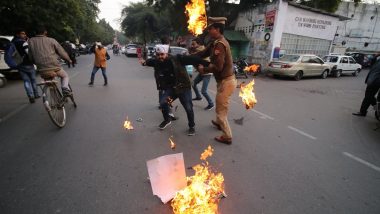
360, 28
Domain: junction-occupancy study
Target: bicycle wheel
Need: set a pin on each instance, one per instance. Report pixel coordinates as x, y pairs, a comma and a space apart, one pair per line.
53, 102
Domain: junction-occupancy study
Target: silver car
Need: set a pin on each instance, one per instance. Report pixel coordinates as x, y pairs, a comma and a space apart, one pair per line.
298, 66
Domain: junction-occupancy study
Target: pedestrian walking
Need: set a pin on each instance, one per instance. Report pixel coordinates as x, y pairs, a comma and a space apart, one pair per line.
173, 82
101, 57
26, 68
221, 66
44, 52
373, 85
204, 78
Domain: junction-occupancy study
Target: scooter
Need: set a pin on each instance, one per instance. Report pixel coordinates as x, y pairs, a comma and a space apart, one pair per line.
239, 66
3, 80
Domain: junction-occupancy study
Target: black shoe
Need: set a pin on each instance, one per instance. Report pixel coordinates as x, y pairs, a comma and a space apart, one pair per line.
105, 84
91, 83
191, 131
172, 117
197, 98
66, 92
209, 107
164, 124
359, 114
37, 96
31, 100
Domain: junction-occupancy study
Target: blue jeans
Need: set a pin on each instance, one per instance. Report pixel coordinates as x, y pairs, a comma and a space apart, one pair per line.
184, 98
28, 74
95, 69
206, 80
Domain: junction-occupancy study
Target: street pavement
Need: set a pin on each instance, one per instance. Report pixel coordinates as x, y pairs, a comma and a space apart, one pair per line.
298, 151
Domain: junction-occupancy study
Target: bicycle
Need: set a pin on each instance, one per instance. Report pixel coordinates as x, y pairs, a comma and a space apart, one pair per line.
53, 99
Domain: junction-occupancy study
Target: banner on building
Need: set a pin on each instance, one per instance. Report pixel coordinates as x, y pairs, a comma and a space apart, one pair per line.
310, 24
269, 20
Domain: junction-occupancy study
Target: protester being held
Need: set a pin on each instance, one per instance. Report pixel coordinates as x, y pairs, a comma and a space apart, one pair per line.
19, 45
221, 66
44, 52
101, 57
174, 82
373, 85
204, 78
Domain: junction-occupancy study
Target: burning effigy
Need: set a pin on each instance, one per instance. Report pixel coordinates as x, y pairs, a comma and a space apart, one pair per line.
203, 192
196, 12
247, 94
252, 68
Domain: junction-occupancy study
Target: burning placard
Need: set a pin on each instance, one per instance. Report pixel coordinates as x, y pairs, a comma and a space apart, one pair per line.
167, 175
128, 125
196, 11
247, 95
203, 192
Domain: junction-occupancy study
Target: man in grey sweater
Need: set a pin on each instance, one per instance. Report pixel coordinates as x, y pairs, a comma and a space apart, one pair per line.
44, 52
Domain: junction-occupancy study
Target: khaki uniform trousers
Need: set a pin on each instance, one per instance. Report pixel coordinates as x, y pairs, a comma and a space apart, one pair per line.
225, 89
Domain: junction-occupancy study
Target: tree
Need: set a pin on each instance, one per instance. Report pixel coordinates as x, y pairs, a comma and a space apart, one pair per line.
65, 20
141, 21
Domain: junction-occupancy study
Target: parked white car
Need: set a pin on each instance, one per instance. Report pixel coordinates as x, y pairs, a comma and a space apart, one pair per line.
131, 49
341, 64
4, 41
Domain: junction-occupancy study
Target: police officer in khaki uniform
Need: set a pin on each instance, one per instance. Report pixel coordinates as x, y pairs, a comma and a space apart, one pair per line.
222, 67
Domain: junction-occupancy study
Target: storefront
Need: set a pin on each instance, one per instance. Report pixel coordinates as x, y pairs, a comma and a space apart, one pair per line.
284, 27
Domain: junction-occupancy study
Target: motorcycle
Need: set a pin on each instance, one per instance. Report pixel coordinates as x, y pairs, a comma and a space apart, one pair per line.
3, 80
239, 67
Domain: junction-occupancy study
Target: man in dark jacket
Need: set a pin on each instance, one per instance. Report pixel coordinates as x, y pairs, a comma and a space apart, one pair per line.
26, 68
174, 82
373, 85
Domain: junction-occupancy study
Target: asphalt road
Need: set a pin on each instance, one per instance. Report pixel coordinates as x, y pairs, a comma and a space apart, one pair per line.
298, 151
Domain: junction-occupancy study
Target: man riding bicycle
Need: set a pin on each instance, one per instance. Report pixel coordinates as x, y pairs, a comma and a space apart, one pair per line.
44, 52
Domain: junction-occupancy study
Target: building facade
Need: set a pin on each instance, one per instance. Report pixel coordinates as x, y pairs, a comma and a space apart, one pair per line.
284, 27
362, 31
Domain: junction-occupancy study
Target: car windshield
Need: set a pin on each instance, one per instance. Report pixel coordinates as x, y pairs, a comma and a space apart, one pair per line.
290, 58
330, 59
131, 46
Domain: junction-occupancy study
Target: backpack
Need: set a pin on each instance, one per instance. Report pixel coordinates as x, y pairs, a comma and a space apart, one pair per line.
12, 57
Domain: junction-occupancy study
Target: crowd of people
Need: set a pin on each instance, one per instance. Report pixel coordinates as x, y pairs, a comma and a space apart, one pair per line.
172, 79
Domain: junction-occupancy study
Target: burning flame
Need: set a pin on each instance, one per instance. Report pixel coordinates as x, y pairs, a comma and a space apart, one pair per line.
203, 192
247, 95
128, 125
172, 144
252, 68
196, 11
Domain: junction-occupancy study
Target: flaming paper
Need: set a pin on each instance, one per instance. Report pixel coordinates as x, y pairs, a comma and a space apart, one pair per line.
128, 125
247, 95
196, 11
204, 190
252, 68
172, 144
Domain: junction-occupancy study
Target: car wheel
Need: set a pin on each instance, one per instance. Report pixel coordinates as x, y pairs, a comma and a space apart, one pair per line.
298, 75
356, 73
337, 73
325, 74
3, 82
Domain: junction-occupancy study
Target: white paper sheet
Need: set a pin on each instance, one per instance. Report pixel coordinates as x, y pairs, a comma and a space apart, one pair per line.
167, 175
